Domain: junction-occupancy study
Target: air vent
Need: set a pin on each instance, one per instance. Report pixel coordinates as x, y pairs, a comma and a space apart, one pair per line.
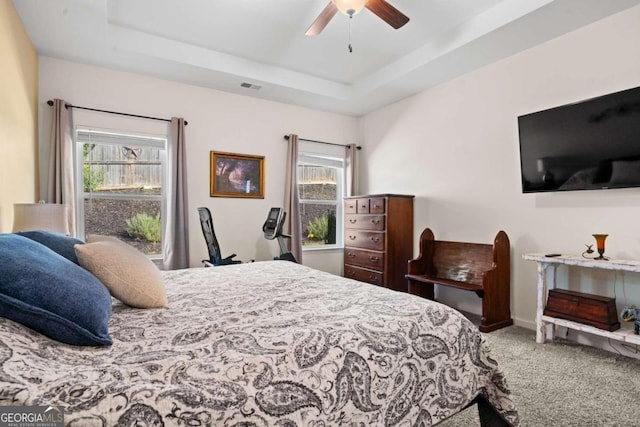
250, 86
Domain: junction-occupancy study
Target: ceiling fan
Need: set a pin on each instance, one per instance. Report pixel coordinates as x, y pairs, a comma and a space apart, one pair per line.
381, 8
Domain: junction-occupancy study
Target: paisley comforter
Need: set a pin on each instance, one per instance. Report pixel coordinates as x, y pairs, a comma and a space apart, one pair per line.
262, 344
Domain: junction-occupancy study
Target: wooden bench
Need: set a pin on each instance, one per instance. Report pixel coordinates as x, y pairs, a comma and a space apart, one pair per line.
482, 268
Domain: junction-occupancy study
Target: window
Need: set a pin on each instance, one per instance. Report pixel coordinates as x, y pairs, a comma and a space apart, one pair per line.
321, 189
121, 177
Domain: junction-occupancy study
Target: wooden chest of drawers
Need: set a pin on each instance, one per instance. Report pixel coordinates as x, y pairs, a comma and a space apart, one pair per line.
378, 239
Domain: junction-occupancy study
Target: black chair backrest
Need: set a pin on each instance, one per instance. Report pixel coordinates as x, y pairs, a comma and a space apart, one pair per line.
215, 256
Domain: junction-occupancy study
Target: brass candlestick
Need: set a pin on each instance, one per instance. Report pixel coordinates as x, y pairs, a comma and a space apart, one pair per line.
588, 252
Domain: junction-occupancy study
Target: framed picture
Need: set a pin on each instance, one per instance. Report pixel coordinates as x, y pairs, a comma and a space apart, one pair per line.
236, 175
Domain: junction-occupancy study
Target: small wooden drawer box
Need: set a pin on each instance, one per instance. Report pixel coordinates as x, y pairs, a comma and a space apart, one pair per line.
593, 310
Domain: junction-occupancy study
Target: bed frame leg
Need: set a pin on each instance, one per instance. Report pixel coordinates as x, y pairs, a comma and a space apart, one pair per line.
488, 416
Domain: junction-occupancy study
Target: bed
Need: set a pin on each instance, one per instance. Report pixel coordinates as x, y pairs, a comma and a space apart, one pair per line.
263, 344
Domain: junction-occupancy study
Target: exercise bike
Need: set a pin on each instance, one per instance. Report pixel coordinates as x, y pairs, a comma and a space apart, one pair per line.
272, 229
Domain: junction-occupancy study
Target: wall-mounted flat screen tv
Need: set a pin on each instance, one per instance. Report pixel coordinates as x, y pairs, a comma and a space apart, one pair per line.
593, 144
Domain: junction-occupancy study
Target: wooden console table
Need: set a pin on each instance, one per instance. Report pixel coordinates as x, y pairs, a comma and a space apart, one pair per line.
625, 334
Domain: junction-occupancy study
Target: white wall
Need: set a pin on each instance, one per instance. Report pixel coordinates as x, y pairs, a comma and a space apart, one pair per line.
456, 148
217, 121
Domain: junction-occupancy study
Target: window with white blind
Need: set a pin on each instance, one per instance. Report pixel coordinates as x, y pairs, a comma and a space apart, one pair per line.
122, 181
321, 187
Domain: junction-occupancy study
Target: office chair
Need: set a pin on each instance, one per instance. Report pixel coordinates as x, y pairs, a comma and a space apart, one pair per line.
215, 255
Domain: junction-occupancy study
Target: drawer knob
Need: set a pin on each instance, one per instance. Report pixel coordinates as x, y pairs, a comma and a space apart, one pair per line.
374, 259
375, 239
353, 221
373, 278
375, 221
351, 255
351, 237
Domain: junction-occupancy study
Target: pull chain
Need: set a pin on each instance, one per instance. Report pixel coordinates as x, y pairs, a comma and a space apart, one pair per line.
350, 19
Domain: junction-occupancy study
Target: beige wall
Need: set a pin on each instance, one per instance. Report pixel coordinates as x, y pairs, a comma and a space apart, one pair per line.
18, 115
217, 121
456, 148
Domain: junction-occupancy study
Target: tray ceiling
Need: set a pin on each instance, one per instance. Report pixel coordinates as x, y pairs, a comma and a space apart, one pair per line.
222, 44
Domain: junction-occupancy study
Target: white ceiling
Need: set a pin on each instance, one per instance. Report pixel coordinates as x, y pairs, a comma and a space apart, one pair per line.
222, 43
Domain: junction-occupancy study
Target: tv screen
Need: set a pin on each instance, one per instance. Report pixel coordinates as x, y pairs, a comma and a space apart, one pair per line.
593, 144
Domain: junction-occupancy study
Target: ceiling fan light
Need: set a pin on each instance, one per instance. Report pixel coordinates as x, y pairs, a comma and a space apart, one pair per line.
349, 7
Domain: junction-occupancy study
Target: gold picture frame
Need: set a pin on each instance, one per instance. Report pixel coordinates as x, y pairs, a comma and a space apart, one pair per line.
236, 175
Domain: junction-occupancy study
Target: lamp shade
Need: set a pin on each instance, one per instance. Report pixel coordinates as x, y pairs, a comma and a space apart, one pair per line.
349, 7
41, 216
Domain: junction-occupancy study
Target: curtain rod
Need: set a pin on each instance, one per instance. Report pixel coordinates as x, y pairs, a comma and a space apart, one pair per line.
358, 147
50, 102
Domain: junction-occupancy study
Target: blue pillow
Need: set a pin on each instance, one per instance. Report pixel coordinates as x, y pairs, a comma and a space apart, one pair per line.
52, 295
57, 242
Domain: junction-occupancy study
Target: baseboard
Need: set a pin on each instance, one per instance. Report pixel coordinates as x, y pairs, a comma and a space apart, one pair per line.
527, 324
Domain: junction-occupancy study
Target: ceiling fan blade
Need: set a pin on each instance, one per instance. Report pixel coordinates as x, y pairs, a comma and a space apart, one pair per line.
322, 20
387, 13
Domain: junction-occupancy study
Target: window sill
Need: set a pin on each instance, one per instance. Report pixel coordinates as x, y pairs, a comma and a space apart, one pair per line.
325, 248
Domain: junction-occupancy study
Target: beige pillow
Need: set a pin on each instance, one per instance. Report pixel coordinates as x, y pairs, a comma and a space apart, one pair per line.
129, 275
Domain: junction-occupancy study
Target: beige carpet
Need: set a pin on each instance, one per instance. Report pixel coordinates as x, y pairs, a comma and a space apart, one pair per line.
562, 384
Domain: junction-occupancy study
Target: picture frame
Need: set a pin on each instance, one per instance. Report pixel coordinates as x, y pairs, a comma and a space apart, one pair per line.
236, 175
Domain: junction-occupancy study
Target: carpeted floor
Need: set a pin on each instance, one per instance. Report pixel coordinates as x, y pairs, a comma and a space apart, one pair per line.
561, 383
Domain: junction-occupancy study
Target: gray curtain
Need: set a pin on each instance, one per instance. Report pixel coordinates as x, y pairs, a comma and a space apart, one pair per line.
60, 175
351, 157
292, 224
176, 232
